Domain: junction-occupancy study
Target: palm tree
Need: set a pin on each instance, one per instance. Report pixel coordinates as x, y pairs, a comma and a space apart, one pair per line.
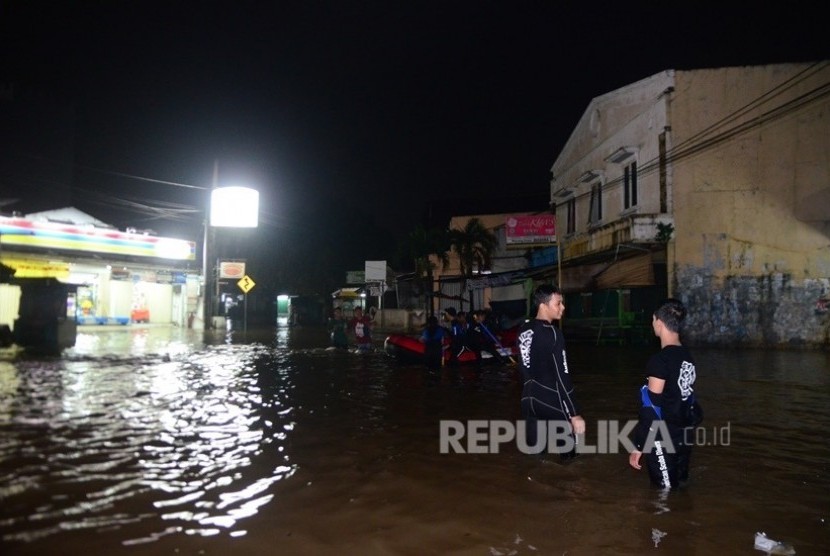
422, 244
475, 246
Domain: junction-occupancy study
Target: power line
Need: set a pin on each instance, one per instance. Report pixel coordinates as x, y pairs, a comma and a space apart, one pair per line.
140, 178
689, 147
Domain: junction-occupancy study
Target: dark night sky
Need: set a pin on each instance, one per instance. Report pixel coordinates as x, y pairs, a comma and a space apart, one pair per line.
336, 108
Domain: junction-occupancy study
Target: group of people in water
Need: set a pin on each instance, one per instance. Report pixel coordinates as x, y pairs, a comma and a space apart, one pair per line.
662, 439
458, 334
455, 336
359, 327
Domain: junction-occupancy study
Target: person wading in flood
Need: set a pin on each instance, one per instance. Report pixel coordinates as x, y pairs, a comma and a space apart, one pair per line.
337, 329
456, 330
361, 326
480, 339
433, 339
547, 394
668, 397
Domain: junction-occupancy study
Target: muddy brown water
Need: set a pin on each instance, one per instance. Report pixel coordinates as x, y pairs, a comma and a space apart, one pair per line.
156, 441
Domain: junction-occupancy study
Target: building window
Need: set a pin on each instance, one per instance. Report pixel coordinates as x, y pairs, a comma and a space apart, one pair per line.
595, 214
630, 183
571, 221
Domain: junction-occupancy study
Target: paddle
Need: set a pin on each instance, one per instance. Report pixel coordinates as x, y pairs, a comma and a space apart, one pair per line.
503, 350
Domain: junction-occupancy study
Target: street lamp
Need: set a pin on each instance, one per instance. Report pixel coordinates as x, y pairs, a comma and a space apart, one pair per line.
230, 207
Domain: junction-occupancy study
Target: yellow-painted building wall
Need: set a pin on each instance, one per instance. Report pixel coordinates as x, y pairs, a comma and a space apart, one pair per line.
737, 162
736, 196
751, 148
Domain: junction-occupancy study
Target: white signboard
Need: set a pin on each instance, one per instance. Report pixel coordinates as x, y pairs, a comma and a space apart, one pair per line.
375, 271
376, 290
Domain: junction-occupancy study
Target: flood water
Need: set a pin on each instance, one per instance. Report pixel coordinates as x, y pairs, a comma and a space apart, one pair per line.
151, 441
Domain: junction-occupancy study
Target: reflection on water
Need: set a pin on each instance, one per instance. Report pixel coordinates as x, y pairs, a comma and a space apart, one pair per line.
152, 441
84, 438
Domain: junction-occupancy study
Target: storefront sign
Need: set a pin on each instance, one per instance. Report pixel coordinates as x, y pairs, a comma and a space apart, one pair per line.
231, 269
31, 268
529, 230
52, 235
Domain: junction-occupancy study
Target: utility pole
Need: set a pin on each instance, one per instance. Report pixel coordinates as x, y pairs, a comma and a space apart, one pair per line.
208, 268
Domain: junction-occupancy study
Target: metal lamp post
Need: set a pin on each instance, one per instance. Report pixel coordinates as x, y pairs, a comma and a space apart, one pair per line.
230, 207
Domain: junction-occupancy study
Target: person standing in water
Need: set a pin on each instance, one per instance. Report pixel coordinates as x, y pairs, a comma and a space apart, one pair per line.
480, 339
337, 329
433, 339
547, 393
668, 400
456, 333
361, 327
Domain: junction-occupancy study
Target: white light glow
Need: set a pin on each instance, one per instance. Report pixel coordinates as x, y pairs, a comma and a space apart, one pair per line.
235, 207
173, 249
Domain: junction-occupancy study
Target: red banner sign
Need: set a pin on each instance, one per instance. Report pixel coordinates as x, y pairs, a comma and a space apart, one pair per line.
538, 229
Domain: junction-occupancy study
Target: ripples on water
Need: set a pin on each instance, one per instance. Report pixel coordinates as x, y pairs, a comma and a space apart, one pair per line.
274, 445
83, 439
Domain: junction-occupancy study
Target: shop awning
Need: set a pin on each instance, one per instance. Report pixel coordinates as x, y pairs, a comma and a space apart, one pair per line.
625, 273
347, 293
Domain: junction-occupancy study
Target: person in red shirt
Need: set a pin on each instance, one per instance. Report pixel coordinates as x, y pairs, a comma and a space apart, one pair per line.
361, 326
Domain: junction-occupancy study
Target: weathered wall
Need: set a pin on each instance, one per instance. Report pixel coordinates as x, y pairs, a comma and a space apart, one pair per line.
772, 310
749, 144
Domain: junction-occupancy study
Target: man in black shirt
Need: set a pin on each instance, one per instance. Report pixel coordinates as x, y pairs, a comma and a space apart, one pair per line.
547, 393
668, 403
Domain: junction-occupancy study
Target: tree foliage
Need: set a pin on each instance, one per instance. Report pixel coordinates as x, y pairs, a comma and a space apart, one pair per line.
474, 244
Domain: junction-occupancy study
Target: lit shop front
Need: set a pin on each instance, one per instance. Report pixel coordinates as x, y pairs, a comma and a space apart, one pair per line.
121, 277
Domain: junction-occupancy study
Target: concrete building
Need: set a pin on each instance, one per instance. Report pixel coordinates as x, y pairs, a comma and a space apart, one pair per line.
712, 186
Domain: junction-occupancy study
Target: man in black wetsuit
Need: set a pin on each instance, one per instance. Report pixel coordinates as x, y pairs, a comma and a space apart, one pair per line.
547, 394
669, 397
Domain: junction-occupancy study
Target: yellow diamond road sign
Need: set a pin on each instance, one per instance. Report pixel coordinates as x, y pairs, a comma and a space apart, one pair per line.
246, 284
